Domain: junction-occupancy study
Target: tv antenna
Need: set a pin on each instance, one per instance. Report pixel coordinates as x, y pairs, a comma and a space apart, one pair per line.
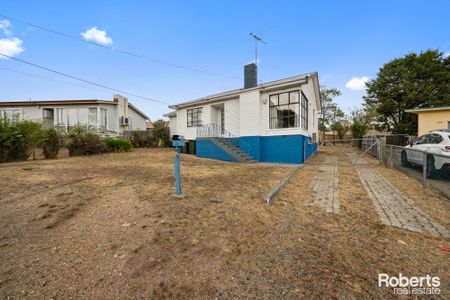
257, 39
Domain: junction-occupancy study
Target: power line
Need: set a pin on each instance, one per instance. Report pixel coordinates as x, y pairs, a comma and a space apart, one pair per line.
82, 80
48, 78
125, 52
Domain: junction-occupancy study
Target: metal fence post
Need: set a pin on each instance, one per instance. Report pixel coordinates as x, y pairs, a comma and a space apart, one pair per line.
424, 169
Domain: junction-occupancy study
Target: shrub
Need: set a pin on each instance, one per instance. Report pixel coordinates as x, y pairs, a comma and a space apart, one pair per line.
33, 134
118, 145
51, 143
137, 140
17, 139
161, 133
82, 142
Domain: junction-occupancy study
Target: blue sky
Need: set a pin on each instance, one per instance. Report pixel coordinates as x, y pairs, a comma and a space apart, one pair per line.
339, 39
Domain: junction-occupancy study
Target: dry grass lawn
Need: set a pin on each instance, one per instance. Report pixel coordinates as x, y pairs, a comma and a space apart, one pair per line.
108, 227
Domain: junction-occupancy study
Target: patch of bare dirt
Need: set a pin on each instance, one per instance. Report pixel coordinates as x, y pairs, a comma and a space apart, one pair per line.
109, 227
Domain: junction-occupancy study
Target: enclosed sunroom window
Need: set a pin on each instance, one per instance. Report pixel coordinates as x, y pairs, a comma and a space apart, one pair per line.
284, 110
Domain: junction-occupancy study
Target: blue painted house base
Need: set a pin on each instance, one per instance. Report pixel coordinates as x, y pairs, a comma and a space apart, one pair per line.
291, 149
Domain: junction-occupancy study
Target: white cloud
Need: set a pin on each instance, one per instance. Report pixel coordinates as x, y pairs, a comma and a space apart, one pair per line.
357, 83
95, 35
11, 47
4, 25
447, 54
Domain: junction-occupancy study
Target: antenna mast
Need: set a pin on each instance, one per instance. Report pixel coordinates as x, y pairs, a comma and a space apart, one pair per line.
257, 39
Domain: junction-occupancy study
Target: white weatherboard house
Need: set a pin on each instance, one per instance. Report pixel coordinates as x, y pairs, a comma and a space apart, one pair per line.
98, 115
271, 122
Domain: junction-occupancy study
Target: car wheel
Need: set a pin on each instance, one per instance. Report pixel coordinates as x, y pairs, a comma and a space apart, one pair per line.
404, 160
431, 168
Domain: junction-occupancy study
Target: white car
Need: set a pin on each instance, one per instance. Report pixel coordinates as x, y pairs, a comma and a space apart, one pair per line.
436, 144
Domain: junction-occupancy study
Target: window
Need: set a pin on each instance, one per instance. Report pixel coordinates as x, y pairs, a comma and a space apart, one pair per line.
12, 114
435, 138
304, 112
194, 117
284, 110
421, 140
103, 117
92, 115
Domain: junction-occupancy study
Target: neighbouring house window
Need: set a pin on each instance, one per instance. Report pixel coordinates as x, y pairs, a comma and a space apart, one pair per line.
12, 114
194, 117
103, 117
304, 112
92, 115
284, 110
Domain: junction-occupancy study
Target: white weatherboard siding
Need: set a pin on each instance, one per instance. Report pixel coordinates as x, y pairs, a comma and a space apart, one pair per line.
232, 116
137, 121
249, 113
308, 90
32, 113
173, 125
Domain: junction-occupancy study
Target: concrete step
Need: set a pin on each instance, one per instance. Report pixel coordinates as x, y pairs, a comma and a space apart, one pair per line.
233, 149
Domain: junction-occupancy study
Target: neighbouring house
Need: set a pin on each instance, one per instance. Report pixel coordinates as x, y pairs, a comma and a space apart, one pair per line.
172, 122
272, 122
96, 115
431, 118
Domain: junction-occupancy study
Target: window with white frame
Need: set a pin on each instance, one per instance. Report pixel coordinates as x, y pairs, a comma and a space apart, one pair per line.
92, 115
103, 117
284, 110
194, 117
12, 114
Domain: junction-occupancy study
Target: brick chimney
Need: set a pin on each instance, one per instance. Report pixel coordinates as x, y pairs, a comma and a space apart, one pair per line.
250, 76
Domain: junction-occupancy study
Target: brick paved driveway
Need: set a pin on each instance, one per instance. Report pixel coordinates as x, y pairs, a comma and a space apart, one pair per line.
392, 206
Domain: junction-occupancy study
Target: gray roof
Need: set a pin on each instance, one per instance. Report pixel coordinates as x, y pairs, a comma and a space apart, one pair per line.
235, 92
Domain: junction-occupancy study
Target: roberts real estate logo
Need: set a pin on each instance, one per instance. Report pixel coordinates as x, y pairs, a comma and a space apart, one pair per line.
403, 285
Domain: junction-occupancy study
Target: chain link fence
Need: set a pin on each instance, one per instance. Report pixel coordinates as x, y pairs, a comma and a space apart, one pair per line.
431, 169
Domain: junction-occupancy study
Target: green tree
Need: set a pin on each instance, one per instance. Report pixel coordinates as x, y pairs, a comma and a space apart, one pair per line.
161, 133
33, 134
331, 113
413, 81
51, 143
341, 127
360, 122
18, 138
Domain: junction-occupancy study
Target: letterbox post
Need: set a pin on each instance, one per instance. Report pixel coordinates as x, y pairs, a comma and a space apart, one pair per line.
178, 143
